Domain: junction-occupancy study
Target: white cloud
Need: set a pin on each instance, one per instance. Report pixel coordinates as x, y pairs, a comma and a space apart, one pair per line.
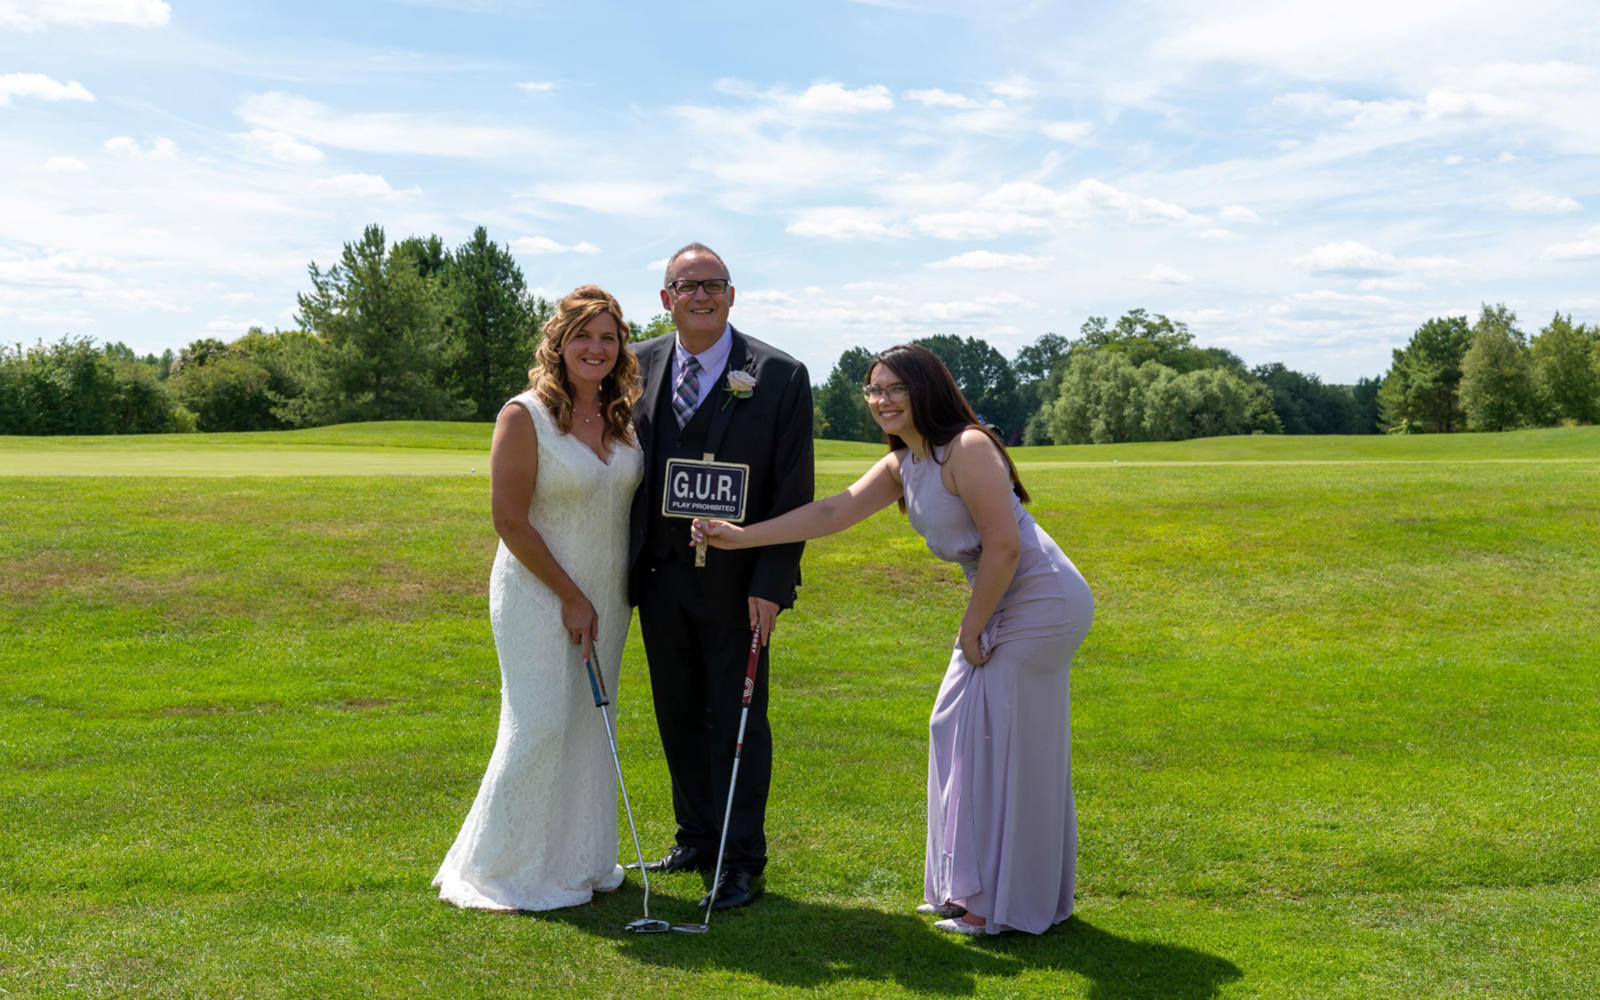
40, 86
1161, 274
935, 98
843, 223
1541, 203
1220, 235
544, 245
986, 260
766, 296
1066, 131
1349, 259
160, 149
1586, 248
1238, 213
834, 98
538, 86
827, 98
978, 223
870, 286
65, 164
388, 131
1013, 88
658, 265
633, 198
1437, 105
279, 146
360, 186
231, 328
34, 15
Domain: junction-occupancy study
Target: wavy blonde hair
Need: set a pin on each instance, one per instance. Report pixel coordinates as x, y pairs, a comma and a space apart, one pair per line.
548, 377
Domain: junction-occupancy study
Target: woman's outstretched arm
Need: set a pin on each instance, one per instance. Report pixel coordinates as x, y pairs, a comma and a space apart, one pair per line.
875, 490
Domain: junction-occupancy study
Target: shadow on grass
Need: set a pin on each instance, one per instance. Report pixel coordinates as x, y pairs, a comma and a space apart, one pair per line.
790, 943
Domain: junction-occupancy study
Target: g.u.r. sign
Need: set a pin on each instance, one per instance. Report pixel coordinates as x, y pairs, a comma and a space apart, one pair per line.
703, 488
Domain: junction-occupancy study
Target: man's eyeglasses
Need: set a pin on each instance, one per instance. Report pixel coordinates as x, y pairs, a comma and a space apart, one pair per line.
895, 393
684, 287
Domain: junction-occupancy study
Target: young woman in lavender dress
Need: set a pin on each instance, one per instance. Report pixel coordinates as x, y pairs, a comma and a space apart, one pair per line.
1002, 831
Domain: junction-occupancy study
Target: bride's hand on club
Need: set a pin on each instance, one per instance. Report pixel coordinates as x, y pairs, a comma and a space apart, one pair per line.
579, 619
717, 534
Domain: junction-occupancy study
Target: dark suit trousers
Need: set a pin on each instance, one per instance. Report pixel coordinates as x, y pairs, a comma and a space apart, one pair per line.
697, 679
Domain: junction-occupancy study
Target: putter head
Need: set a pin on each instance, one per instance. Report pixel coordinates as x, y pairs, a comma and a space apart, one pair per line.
690, 928
646, 925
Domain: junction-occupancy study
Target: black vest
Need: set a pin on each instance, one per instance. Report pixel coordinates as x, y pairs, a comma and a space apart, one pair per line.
668, 537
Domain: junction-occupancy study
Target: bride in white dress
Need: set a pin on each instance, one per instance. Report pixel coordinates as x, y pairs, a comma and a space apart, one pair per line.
542, 832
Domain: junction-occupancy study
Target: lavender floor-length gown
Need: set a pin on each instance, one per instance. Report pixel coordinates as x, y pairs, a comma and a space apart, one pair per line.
1002, 830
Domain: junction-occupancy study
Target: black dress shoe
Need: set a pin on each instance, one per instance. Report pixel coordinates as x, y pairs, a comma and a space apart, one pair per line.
735, 888
681, 859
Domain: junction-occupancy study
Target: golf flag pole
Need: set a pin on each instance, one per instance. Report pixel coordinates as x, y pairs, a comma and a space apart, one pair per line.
700, 548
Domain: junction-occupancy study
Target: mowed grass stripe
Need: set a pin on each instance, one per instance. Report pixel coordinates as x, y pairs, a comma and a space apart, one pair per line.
412, 448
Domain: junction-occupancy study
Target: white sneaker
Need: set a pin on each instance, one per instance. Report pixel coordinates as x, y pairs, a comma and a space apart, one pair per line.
941, 910
958, 926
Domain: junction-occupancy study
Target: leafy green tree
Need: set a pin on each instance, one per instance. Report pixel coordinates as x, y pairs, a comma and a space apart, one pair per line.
73, 387
428, 253
1304, 405
381, 324
1101, 399
226, 393
843, 413
1144, 337
1364, 400
1497, 373
1105, 399
198, 352
985, 378
493, 323
659, 325
1035, 362
1421, 391
1566, 370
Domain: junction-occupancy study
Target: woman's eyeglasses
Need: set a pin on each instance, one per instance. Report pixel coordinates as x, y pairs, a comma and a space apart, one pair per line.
894, 393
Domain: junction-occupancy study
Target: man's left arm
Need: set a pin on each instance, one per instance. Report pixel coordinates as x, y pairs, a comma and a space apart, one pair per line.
794, 485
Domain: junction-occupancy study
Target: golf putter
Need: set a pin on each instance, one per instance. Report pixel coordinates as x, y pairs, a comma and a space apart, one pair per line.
733, 782
644, 925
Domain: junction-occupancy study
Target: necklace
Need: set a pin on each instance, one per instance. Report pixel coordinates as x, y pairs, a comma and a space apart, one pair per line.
588, 420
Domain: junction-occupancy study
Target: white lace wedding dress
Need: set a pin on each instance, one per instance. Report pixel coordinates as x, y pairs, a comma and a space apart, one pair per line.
542, 832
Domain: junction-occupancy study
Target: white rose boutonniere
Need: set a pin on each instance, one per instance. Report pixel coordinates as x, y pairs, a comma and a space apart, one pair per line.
741, 384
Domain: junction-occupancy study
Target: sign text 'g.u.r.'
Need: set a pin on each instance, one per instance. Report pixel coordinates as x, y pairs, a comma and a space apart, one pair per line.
699, 488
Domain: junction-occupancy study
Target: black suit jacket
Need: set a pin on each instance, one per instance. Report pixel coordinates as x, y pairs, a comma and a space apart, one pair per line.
770, 431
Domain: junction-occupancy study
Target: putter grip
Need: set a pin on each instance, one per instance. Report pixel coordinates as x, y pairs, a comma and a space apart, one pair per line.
594, 684
754, 662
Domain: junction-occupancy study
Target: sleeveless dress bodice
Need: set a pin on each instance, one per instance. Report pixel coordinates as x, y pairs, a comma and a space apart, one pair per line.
1046, 588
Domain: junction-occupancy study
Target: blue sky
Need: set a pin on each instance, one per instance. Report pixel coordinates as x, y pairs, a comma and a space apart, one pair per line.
1303, 183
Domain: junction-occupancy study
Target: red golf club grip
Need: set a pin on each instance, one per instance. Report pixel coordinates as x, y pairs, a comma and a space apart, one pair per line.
750, 668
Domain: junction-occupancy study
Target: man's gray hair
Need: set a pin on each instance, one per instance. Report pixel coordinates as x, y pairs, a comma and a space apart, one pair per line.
694, 248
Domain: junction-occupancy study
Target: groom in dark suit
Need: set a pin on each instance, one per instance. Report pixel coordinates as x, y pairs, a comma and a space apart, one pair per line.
697, 621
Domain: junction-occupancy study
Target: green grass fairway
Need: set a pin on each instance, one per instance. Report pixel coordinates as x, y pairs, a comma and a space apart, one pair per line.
1335, 731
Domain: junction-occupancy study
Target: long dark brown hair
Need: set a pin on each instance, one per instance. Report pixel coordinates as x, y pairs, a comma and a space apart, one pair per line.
938, 410
548, 377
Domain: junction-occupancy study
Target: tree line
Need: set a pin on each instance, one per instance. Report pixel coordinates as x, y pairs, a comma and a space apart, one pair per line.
408, 331
1140, 378
414, 330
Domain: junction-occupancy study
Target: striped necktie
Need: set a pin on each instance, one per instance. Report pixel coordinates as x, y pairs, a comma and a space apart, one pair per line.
687, 392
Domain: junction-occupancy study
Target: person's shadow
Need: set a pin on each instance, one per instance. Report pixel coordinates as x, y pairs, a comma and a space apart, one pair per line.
791, 943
